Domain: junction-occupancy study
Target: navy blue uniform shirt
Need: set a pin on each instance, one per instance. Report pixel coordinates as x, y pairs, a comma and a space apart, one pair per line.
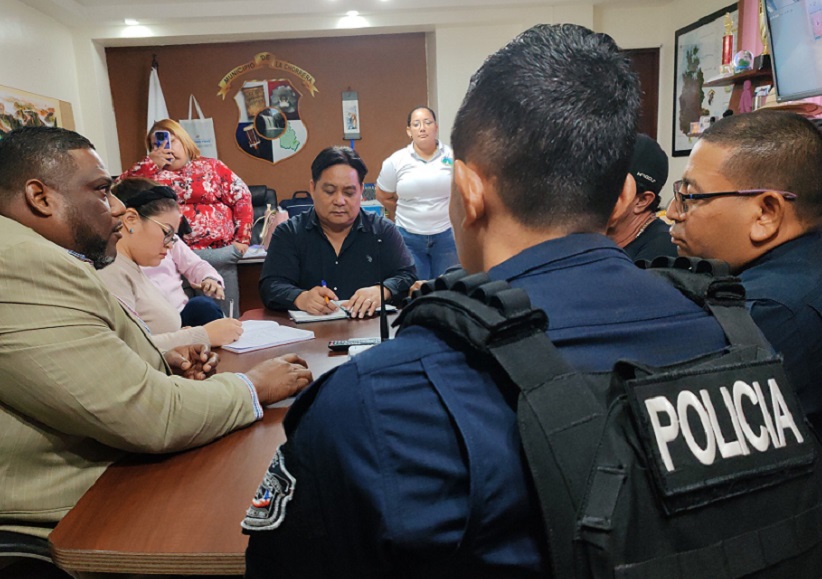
407, 460
655, 240
783, 290
300, 257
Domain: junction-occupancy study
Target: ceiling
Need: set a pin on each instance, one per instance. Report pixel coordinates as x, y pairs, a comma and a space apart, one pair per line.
84, 13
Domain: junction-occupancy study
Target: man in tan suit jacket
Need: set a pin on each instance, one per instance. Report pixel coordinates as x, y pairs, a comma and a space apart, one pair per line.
81, 383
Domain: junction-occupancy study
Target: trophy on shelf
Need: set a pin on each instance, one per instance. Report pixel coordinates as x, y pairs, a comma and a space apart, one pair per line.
763, 60
727, 47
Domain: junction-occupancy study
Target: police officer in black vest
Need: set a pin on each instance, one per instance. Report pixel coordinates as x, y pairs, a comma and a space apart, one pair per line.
406, 461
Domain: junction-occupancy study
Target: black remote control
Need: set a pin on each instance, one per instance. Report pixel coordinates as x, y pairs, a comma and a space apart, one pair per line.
343, 345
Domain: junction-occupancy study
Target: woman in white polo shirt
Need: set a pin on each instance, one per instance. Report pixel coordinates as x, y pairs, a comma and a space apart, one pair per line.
414, 186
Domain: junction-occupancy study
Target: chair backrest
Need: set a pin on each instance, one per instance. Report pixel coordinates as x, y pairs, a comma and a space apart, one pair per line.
31, 557
261, 197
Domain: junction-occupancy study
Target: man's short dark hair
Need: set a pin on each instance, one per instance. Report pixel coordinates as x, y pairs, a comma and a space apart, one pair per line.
336, 155
36, 153
551, 120
773, 149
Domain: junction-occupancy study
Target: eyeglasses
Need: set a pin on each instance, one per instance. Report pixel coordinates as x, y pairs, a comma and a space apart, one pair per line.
681, 199
418, 124
169, 237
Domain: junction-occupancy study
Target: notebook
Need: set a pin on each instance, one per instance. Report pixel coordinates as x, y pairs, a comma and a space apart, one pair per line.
302, 317
259, 334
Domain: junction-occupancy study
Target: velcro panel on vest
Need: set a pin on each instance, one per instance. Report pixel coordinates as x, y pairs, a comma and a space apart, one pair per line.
475, 323
711, 434
602, 497
746, 554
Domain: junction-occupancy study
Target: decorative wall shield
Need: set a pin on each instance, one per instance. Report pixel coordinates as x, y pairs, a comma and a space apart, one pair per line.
269, 125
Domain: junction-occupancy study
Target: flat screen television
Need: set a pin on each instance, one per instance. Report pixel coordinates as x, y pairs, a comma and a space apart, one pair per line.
795, 31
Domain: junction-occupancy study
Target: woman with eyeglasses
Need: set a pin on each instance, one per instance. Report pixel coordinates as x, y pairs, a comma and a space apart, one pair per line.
414, 186
150, 225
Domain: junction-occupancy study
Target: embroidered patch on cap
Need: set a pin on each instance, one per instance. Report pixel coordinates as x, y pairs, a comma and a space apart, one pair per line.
267, 510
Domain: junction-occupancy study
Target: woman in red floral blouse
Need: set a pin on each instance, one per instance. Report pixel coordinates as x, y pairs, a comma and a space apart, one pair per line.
215, 202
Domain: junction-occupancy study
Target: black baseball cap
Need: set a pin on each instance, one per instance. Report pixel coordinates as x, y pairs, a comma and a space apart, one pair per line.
649, 165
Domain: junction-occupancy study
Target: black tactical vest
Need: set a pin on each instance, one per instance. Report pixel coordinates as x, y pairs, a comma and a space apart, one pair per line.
703, 469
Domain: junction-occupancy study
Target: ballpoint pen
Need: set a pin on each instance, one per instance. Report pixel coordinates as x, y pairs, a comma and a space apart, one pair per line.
322, 283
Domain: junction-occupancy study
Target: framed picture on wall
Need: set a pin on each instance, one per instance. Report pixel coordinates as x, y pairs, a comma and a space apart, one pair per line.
19, 108
698, 58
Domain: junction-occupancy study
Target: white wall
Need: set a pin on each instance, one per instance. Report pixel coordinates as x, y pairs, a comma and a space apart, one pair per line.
37, 54
460, 50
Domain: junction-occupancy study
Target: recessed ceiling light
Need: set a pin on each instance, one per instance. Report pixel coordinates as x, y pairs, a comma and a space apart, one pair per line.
352, 13
131, 22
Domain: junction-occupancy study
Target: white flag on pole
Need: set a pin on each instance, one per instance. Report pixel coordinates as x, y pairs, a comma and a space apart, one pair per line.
157, 109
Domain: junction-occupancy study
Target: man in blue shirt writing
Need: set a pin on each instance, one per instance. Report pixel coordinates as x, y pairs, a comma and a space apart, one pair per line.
407, 461
336, 251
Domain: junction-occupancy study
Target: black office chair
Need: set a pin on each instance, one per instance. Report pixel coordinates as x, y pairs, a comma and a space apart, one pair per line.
31, 558
261, 197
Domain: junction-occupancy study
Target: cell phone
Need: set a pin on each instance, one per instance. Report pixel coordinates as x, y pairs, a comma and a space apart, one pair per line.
162, 139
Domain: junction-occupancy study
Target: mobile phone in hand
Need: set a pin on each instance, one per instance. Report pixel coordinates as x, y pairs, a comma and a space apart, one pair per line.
162, 139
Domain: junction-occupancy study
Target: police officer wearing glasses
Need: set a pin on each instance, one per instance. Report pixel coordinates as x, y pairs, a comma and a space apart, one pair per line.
751, 195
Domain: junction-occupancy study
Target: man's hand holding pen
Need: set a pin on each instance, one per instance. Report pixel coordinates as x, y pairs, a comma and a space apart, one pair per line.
317, 301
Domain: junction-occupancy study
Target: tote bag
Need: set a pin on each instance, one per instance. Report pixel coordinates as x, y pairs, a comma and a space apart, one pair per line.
201, 130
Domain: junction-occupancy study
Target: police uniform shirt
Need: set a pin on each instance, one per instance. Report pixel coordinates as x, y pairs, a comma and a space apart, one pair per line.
407, 461
654, 241
783, 291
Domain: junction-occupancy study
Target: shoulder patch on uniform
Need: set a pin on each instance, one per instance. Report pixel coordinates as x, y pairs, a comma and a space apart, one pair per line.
267, 510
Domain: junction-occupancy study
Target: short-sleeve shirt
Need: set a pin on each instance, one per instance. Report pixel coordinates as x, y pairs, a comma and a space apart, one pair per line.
423, 188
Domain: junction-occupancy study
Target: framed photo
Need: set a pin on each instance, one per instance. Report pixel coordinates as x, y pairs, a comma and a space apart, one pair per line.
698, 58
24, 109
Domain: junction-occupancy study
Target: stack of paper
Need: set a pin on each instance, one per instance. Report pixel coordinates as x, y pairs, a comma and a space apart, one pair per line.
301, 317
340, 314
259, 334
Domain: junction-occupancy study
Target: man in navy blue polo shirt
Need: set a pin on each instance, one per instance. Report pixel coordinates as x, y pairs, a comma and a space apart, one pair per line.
407, 461
336, 251
751, 195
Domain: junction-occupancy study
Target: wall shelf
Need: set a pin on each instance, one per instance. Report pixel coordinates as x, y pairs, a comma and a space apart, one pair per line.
741, 77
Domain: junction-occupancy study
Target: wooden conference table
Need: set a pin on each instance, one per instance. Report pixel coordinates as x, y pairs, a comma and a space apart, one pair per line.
181, 513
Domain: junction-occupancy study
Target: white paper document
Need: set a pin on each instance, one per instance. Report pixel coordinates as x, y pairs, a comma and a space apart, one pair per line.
259, 334
302, 317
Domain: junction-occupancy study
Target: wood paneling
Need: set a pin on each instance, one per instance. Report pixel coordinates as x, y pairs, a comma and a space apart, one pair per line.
387, 71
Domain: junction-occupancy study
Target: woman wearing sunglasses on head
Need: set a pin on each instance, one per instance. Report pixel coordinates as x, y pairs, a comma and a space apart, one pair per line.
150, 226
